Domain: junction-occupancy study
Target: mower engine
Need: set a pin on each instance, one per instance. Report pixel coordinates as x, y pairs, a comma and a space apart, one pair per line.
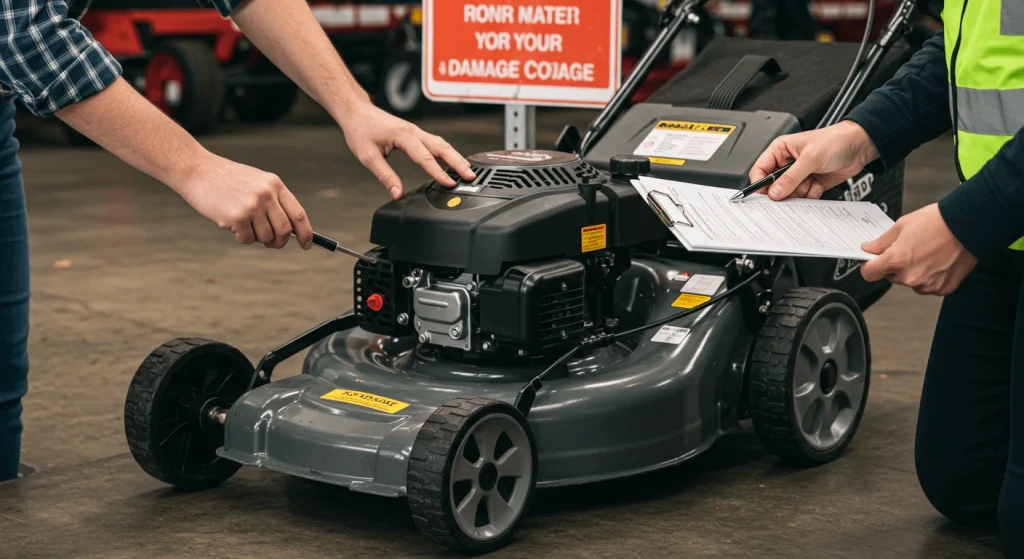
520, 262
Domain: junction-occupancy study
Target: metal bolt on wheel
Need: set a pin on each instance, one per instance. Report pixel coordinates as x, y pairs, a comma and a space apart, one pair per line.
810, 373
472, 474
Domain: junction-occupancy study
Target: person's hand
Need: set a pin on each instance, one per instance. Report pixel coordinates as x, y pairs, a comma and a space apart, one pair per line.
920, 252
254, 205
823, 159
372, 134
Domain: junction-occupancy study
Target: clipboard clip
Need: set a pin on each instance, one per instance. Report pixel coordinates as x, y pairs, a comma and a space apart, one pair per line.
659, 210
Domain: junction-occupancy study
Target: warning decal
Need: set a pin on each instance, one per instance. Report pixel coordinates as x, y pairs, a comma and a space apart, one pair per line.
534, 52
675, 139
689, 300
666, 161
365, 399
671, 335
594, 237
695, 127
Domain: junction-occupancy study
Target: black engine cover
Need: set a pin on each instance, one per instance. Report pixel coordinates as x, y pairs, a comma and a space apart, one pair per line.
523, 206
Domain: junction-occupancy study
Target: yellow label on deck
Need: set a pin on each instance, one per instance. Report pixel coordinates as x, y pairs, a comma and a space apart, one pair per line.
666, 161
372, 401
695, 126
689, 300
594, 237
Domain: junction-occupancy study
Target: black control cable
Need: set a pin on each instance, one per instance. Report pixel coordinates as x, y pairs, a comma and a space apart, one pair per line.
834, 111
527, 395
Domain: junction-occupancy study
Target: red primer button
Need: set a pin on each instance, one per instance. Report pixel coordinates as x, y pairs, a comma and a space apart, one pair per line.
375, 302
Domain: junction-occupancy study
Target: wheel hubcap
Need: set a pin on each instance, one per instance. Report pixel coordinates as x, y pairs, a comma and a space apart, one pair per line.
490, 477
830, 376
184, 433
165, 80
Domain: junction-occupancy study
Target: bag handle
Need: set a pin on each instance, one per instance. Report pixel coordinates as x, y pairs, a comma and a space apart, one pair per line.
725, 95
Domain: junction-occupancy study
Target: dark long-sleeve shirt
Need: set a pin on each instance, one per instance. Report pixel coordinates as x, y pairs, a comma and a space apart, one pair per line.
49, 60
986, 212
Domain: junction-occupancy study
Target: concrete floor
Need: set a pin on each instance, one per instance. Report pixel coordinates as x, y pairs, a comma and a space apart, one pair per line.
144, 268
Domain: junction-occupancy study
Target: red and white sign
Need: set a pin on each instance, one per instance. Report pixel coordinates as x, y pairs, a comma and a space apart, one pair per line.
535, 52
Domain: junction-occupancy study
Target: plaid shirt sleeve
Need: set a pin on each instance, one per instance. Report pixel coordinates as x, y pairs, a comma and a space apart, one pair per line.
47, 59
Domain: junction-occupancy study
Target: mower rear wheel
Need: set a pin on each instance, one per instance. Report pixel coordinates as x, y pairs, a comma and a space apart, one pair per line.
809, 376
184, 79
472, 474
168, 417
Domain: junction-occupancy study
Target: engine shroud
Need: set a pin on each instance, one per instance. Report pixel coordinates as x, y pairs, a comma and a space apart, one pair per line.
521, 261
522, 206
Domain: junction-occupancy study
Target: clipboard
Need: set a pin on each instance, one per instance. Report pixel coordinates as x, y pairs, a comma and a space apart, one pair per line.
652, 200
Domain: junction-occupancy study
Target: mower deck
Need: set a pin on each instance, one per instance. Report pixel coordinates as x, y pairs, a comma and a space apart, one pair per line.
352, 415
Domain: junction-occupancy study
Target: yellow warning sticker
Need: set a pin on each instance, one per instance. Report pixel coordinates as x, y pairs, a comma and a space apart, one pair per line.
594, 237
367, 400
689, 300
667, 161
679, 125
454, 202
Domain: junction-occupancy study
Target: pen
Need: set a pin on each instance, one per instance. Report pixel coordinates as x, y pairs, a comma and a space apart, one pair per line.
768, 179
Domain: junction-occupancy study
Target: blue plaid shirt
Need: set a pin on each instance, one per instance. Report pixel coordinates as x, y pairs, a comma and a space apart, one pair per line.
49, 61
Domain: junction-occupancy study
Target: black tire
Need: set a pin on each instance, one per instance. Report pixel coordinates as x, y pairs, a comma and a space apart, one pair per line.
431, 463
774, 364
400, 88
203, 91
159, 402
267, 103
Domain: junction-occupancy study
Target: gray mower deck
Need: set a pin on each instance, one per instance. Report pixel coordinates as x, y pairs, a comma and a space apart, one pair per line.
734, 502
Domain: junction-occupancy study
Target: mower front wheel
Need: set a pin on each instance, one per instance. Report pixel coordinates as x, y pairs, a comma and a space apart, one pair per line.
472, 474
170, 414
809, 377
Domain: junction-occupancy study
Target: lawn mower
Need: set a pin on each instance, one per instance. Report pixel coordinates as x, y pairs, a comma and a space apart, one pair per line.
539, 327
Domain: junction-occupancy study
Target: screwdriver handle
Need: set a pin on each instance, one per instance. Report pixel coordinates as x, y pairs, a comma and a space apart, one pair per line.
325, 242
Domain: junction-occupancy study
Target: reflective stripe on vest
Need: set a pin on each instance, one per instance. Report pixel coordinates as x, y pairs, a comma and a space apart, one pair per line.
984, 41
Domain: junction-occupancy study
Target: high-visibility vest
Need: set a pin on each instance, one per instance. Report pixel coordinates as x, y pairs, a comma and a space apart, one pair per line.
984, 42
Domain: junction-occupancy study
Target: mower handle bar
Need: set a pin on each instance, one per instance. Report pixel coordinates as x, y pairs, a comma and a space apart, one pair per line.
675, 15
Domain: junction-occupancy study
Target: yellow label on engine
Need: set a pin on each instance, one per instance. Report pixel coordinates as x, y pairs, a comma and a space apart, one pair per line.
594, 237
367, 400
689, 300
680, 125
667, 161
454, 202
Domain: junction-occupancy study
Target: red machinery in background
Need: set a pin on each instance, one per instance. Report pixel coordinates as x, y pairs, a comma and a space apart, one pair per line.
193, 64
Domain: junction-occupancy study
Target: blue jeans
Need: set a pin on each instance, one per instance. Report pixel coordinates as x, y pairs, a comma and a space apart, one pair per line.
14, 294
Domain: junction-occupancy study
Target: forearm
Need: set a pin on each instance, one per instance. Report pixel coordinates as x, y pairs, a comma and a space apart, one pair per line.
290, 36
910, 109
130, 127
986, 212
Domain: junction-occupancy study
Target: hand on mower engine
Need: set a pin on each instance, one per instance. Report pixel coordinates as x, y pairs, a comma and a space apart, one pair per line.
254, 205
372, 134
823, 159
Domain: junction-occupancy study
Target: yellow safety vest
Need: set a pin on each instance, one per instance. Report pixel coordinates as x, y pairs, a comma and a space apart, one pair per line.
984, 42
